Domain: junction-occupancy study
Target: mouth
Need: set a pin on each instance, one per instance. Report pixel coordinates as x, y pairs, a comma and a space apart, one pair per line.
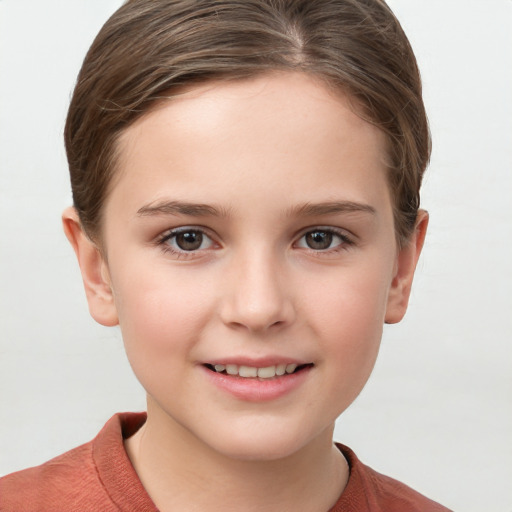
251, 372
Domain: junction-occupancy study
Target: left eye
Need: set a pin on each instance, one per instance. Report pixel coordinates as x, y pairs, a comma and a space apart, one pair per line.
321, 240
188, 240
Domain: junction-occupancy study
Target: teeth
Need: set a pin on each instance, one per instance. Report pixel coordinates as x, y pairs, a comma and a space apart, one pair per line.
267, 373
247, 371
250, 372
232, 369
280, 369
290, 368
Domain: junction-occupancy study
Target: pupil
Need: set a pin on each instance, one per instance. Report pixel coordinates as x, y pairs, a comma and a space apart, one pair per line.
319, 240
189, 240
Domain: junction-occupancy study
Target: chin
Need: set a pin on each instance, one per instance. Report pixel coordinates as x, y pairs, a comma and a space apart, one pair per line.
255, 451
261, 444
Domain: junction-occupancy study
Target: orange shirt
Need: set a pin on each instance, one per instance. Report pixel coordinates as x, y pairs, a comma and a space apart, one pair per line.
98, 476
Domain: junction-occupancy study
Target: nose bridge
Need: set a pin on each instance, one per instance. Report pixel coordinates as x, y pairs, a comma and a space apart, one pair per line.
258, 297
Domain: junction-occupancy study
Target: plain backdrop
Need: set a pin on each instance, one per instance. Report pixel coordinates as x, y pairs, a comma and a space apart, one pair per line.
437, 412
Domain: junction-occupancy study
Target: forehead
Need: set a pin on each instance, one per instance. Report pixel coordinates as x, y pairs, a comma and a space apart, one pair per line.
286, 132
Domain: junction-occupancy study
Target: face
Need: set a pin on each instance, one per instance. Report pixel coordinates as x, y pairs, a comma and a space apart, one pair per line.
251, 255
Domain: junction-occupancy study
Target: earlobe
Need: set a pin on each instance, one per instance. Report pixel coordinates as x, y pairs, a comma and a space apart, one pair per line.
398, 297
94, 270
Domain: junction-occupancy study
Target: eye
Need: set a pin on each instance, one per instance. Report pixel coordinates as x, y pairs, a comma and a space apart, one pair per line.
323, 239
186, 240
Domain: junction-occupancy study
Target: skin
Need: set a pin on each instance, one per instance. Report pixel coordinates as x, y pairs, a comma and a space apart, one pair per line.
261, 152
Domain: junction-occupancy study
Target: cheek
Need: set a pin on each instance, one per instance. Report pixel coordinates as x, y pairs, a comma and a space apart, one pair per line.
351, 299
158, 312
348, 316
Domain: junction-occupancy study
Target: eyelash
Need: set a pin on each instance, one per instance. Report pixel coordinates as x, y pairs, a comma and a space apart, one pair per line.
345, 241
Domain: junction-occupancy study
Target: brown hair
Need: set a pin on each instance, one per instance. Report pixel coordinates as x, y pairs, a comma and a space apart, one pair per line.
152, 48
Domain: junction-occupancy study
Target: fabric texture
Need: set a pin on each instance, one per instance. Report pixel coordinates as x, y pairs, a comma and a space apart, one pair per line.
98, 476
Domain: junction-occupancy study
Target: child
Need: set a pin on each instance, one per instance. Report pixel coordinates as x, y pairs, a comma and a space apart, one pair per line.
245, 179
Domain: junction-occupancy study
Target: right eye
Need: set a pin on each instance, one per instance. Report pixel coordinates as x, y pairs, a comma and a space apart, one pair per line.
186, 240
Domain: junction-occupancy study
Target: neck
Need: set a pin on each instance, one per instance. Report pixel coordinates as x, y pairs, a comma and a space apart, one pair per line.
180, 472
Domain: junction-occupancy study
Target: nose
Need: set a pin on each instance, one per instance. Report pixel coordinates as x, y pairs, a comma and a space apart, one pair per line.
257, 294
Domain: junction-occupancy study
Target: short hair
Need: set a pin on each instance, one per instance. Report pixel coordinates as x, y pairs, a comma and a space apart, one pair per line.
151, 49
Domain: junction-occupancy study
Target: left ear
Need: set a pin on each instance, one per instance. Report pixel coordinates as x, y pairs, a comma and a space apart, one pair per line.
406, 261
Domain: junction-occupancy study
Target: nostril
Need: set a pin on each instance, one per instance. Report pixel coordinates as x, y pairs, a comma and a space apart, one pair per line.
257, 303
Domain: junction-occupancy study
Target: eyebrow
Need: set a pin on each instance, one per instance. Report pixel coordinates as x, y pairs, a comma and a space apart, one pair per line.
181, 208
330, 208
204, 210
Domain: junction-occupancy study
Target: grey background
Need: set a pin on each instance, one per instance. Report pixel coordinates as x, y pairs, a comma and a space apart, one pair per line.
437, 412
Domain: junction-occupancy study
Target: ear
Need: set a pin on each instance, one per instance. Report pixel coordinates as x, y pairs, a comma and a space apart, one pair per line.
407, 258
94, 270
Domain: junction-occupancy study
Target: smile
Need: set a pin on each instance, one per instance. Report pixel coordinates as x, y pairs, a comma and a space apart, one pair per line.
267, 372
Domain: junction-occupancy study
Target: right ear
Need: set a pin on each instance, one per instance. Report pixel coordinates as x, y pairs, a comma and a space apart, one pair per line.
94, 270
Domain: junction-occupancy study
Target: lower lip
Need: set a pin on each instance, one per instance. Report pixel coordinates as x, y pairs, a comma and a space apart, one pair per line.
255, 389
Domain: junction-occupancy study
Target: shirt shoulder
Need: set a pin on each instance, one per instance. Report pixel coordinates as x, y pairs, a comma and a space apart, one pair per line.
94, 476
69, 481
370, 491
